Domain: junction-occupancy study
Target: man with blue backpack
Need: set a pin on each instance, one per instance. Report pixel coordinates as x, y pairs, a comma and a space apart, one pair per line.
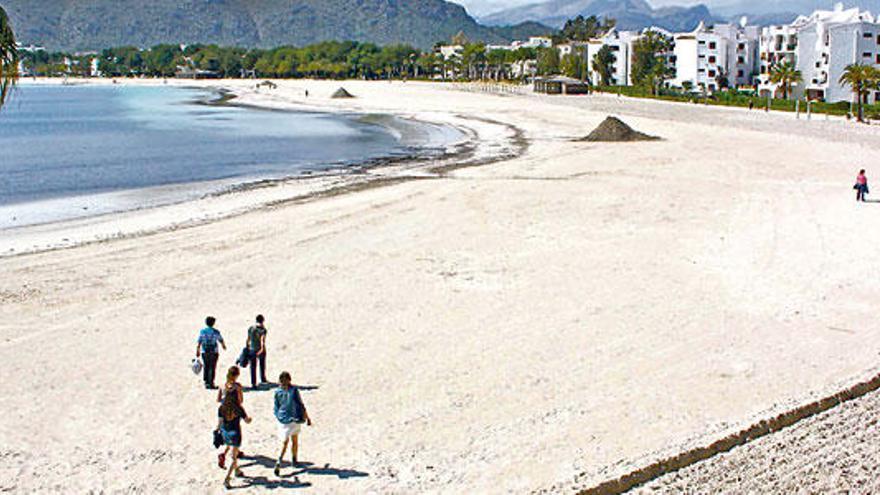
206, 348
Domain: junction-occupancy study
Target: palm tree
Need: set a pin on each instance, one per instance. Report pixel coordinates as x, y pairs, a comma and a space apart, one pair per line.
861, 78
785, 75
8, 57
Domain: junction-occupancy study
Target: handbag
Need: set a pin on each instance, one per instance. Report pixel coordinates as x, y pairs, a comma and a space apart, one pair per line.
244, 357
218, 439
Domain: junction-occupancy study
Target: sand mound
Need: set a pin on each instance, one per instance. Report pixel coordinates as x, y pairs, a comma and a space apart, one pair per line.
614, 130
342, 93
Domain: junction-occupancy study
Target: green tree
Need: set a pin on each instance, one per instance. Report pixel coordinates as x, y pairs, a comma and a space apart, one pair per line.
572, 64
786, 75
548, 61
603, 64
584, 29
473, 57
649, 60
861, 78
8, 57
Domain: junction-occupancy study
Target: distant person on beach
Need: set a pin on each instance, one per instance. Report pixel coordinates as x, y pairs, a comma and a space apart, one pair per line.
256, 344
206, 348
861, 186
291, 414
307, 93
229, 417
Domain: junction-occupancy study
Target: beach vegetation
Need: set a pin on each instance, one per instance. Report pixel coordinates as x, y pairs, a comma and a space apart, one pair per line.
862, 79
785, 75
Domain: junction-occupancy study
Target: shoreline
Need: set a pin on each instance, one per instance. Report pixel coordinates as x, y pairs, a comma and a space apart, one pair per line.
424, 162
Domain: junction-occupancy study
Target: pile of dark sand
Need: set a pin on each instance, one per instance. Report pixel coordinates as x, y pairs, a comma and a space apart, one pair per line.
342, 93
614, 130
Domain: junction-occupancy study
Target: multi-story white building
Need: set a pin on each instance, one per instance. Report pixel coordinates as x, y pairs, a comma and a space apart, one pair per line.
778, 45
534, 42
710, 59
620, 43
821, 46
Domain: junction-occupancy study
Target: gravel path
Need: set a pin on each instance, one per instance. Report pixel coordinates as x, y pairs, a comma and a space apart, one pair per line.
834, 452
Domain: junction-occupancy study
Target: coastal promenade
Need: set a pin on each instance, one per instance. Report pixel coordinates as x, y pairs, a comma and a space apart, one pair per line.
547, 319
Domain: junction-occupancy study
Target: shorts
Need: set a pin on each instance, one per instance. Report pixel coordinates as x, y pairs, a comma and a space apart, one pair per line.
231, 438
286, 431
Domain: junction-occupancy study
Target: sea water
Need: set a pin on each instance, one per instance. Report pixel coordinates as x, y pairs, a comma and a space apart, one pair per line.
73, 151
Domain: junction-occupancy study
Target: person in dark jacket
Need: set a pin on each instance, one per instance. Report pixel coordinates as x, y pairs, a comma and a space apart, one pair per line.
256, 344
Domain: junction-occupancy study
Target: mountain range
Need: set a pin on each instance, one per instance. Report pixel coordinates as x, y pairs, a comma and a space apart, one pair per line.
78, 25
630, 14
637, 14
96, 24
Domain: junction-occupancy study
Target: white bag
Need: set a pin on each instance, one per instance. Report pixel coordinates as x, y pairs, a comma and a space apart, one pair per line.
196, 366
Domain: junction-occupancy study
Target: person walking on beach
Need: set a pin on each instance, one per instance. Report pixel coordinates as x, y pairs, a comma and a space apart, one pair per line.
291, 414
230, 414
861, 186
256, 344
206, 348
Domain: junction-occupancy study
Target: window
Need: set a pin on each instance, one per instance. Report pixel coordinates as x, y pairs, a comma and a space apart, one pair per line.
712, 59
615, 48
878, 58
867, 55
741, 60
711, 73
741, 47
740, 73
878, 39
868, 35
713, 45
818, 64
702, 42
701, 70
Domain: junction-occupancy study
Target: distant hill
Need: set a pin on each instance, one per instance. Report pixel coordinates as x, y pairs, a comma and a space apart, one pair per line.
96, 24
796, 7
630, 14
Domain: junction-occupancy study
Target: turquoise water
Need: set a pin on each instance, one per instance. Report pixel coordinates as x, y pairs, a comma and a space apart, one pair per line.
145, 143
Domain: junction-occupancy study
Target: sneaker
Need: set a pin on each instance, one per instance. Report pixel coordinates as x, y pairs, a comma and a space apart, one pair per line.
221, 460
277, 469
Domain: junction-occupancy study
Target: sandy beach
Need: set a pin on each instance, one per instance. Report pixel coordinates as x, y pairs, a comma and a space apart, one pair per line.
554, 315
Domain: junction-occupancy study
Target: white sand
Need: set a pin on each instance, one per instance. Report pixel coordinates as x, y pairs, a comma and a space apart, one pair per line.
834, 452
540, 323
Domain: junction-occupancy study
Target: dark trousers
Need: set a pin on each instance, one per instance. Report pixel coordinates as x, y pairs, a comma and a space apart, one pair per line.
252, 364
210, 367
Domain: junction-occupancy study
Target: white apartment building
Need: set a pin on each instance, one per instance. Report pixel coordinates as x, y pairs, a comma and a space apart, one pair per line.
709, 59
620, 43
534, 42
821, 46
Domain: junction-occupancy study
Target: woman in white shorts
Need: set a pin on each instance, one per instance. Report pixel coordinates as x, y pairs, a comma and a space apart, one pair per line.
291, 414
